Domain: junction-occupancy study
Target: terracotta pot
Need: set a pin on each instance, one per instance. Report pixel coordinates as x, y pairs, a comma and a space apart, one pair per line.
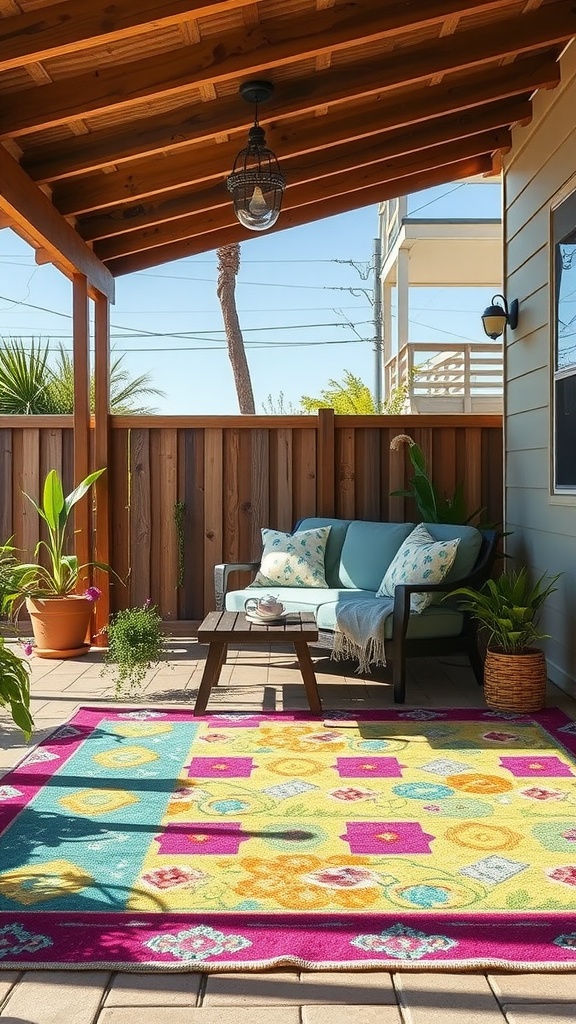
515, 682
60, 625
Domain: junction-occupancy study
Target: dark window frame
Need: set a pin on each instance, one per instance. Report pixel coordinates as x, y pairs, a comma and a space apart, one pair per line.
563, 225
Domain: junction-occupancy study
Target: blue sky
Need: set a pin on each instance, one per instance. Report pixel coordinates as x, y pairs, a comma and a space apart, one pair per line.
303, 301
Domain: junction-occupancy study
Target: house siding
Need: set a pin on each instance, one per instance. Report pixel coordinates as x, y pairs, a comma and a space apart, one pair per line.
542, 526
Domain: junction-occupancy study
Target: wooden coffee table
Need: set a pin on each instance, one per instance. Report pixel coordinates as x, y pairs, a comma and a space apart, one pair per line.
222, 628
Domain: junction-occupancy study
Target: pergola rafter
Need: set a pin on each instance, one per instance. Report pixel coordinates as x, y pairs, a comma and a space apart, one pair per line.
120, 123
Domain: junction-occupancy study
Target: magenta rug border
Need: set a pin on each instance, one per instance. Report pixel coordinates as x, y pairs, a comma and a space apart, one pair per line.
243, 942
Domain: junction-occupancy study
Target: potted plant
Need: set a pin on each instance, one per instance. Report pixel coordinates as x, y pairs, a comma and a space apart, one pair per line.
60, 616
508, 610
135, 641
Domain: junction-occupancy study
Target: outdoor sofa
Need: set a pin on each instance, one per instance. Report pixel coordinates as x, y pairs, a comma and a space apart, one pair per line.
357, 556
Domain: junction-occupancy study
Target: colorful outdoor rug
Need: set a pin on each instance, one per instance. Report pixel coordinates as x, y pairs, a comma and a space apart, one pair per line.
147, 839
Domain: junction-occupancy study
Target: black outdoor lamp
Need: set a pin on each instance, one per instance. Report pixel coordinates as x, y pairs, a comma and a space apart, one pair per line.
496, 317
256, 182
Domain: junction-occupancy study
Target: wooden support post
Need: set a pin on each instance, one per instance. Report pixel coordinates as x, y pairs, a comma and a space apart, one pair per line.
325, 463
81, 419
101, 459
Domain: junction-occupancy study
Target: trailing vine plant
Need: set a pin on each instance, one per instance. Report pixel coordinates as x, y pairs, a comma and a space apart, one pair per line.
179, 512
135, 643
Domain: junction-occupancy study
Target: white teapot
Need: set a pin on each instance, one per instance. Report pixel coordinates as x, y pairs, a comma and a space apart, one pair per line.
265, 607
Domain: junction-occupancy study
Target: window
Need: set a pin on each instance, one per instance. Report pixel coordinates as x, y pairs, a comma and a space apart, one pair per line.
564, 241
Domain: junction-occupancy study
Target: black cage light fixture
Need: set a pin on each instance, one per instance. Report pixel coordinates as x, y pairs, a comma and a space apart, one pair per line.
256, 182
496, 317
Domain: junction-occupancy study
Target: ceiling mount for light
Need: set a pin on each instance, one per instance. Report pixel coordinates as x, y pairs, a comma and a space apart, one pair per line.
496, 317
256, 182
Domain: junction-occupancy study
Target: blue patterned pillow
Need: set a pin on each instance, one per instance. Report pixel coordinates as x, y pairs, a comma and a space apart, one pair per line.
420, 559
293, 559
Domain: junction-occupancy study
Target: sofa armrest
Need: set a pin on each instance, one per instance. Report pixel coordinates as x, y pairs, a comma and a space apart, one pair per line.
221, 574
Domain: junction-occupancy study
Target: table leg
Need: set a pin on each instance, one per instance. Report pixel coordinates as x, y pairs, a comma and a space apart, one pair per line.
212, 668
222, 660
307, 670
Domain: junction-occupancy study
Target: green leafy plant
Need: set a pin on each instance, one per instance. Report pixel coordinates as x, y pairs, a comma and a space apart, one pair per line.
135, 643
60, 577
179, 512
432, 506
508, 609
35, 381
15, 688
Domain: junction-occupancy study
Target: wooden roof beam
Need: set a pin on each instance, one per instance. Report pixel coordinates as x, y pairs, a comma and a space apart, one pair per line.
304, 215
169, 132
210, 162
246, 53
314, 190
31, 211
74, 25
344, 158
184, 201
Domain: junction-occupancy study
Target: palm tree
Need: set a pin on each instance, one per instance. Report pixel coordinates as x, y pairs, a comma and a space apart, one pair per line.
30, 386
24, 380
228, 266
124, 390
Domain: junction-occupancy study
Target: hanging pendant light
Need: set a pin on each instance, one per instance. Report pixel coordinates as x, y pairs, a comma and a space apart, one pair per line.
256, 182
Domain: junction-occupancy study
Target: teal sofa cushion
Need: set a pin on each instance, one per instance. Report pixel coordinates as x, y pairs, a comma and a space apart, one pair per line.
368, 550
433, 622
334, 545
295, 599
466, 555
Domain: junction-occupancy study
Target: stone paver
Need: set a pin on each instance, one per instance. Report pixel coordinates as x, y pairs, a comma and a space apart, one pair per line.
218, 1015
443, 998
7, 981
354, 988
534, 988
541, 1013
55, 997
265, 988
154, 989
354, 1015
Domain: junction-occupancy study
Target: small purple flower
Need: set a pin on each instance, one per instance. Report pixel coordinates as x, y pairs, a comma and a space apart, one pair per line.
28, 648
92, 594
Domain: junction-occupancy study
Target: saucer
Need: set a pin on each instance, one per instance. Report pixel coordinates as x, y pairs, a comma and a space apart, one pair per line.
266, 620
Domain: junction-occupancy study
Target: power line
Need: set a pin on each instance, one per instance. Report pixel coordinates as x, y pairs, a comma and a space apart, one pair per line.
219, 347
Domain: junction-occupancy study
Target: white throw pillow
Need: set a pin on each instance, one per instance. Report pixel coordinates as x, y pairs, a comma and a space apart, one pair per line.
293, 559
420, 559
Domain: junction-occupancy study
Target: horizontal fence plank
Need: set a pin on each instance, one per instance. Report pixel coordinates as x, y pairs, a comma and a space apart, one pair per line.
235, 475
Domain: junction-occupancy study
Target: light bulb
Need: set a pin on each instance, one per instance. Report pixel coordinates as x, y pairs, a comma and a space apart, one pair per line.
258, 205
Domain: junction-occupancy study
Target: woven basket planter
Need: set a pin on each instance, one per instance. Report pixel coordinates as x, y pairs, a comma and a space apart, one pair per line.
515, 682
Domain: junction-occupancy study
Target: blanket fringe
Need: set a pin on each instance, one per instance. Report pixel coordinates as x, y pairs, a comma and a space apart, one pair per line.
372, 653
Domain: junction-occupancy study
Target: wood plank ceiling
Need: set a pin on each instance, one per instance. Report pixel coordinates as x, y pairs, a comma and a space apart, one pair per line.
127, 113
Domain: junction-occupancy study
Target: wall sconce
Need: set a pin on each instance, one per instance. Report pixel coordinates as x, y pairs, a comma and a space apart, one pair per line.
256, 183
496, 317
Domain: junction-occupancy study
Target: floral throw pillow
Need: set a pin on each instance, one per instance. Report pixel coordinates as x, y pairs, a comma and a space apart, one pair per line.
420, 559
293, 559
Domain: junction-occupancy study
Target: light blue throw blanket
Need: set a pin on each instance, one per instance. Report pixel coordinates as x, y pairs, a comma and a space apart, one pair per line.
360, 632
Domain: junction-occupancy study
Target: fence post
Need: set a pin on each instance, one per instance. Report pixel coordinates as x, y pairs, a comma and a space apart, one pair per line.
325, 455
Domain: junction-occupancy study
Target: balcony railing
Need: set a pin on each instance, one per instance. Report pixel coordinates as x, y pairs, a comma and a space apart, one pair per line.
460, 377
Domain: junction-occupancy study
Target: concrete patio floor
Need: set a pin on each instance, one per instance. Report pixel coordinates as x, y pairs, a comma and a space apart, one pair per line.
269, 681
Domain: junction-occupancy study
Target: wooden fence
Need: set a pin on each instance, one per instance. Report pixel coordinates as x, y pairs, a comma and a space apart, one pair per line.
234, 475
